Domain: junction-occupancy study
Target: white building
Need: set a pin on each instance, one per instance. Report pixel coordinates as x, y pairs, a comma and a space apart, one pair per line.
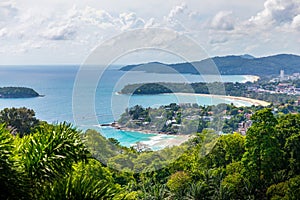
281, 75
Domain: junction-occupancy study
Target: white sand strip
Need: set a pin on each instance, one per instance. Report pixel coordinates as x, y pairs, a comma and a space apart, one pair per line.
251, 101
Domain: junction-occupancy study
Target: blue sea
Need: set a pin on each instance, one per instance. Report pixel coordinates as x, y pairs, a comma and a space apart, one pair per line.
57, 84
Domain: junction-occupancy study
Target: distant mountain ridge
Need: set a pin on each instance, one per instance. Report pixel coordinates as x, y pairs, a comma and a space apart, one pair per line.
228, 65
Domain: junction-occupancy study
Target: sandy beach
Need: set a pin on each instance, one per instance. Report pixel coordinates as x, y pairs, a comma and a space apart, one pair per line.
153, 132
250, 78
162, 140
251, 101
158, 141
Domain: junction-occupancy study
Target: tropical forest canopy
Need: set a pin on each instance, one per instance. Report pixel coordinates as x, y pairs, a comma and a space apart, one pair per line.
52, 162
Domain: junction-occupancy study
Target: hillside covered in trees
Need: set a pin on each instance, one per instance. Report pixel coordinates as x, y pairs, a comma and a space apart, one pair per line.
57, 161
227, 65
190, 118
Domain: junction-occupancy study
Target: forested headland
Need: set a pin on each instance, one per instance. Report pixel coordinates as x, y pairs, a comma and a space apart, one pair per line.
215, 88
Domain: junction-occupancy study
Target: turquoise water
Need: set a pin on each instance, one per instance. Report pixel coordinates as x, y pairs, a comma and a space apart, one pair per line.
56, 83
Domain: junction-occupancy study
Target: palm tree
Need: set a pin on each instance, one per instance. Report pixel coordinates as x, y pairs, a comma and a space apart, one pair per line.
12, 181
197, 190
85, 181
155, 191
49, 153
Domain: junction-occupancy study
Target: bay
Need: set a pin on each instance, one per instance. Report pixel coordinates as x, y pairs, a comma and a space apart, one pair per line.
57, 82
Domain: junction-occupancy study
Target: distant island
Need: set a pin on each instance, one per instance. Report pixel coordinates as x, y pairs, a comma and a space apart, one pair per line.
18, 92
227, 65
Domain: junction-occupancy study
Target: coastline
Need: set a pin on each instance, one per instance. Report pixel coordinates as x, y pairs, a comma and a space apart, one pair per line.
158, 141
255, 102
115, 125
162, 141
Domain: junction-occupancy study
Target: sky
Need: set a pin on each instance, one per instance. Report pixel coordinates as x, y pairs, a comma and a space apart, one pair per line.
66, 32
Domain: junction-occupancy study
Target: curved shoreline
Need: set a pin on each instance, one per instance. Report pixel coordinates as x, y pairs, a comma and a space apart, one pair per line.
116, 126
255, 102
159, 140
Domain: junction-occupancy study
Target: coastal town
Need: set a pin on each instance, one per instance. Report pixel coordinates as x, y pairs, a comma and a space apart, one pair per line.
186, 118
280, 94
283, 84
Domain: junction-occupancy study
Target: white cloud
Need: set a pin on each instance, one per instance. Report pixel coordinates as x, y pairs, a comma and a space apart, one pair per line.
3, 32
296, 22
97, 17
183, 19
64, 32
176, 11
61, 27
7, 10
150, 23
130, 21
219, 26
106, 21
79, 26
277, 12
223, 21
8, 14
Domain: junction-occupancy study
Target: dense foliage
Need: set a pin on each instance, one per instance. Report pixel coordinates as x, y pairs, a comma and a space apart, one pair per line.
20, 120
52, 162
228, 65
191, 118
17, 92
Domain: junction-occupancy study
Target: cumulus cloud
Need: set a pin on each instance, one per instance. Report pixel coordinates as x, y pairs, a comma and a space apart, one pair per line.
277, 12
279, 21
64, 32
63, 27
105, 20
296, 22
97, 17
223, 21
130, 21
84, 26
183, 19
175, 18
177, 10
